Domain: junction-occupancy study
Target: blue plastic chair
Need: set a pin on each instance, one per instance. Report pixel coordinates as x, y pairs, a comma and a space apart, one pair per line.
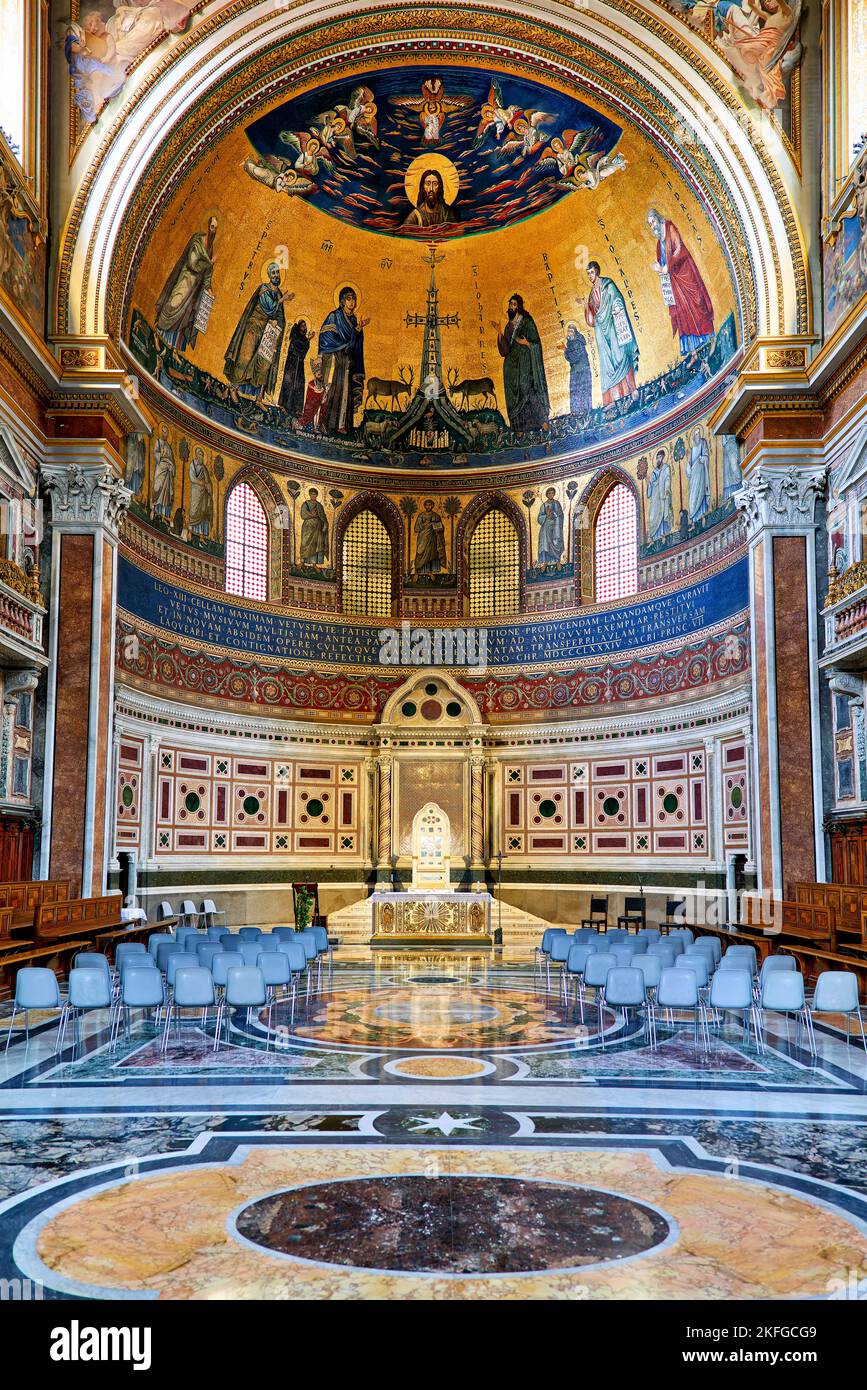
298, 964
250, 933
783, 993
245, 989
731, 991
836, 992
624, 989
678, 989
86, 989
179, 960
36, 987
141, 987
193, 989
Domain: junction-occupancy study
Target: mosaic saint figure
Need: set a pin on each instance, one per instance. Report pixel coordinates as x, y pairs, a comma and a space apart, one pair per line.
524, 381
292, 389
164, 475
660, 508
431, 209
253, 354
134, 473
698, 477
189, 280
430, 540
201, 495
341, 347
314, 530
309, 417
550, 548
605, 312
731, 469
683, 289
580, 377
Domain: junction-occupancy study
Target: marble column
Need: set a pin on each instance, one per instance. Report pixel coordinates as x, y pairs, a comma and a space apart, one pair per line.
779, 501
383, 870
372, 847
88, 502
477, 821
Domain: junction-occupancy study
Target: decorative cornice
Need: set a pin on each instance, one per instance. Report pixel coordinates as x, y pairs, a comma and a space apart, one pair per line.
844, 683
86, 497
17, 683
781, 499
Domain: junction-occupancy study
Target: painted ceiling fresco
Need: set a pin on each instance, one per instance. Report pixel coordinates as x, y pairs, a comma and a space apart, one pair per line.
504, 149
435, 267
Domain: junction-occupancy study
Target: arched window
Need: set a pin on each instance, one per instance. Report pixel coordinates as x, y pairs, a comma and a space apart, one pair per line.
495, 566
616, 545
246, 544
367, 567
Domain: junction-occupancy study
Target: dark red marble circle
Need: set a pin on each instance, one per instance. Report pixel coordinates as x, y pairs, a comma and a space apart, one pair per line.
453, 1225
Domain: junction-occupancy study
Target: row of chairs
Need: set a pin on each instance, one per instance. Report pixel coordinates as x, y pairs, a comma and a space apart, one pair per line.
94, 984
557, 942
188, 915
681, 973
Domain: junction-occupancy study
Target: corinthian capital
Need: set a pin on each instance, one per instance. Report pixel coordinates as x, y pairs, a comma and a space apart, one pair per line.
86, 496
781, 499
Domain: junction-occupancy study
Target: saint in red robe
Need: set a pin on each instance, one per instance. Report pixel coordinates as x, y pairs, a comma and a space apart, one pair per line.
692, 310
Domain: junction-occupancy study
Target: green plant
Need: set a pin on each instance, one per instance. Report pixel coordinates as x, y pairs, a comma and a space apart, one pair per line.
303, 909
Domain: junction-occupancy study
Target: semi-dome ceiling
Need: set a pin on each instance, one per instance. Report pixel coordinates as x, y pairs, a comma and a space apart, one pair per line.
540, 201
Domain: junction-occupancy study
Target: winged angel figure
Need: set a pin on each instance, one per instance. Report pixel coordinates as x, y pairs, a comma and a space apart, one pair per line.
433, 108
578, 160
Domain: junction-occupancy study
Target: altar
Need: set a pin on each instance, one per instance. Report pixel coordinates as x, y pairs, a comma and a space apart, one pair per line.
431, 912
439, 918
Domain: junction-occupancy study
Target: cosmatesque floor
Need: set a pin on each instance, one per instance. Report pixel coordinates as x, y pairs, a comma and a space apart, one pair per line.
433, 1126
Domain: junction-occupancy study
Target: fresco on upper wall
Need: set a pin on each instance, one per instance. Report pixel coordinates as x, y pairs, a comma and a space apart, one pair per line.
844, 263
104, 39
22, 255
760, 39
506, 277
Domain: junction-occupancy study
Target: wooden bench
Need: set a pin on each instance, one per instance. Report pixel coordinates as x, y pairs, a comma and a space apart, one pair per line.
847, 902
76, 917
23, 899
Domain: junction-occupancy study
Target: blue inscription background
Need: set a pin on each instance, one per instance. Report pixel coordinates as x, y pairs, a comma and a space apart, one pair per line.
672, 618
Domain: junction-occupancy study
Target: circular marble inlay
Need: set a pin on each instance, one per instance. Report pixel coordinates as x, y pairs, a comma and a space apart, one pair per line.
453, 1225
428, 1018
452, 1067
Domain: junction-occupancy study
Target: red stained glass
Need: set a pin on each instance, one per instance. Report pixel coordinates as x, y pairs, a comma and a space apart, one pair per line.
616, 545
246, 544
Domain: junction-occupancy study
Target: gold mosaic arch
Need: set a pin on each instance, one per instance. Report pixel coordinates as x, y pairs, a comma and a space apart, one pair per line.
449, 22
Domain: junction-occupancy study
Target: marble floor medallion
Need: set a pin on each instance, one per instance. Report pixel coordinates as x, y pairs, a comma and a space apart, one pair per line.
453, 1225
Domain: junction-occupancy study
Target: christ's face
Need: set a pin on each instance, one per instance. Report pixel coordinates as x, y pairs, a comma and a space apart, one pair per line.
431, 189
428, 506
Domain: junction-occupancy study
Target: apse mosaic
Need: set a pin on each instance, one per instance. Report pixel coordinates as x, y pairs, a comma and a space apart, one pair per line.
437, 267
415, 153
